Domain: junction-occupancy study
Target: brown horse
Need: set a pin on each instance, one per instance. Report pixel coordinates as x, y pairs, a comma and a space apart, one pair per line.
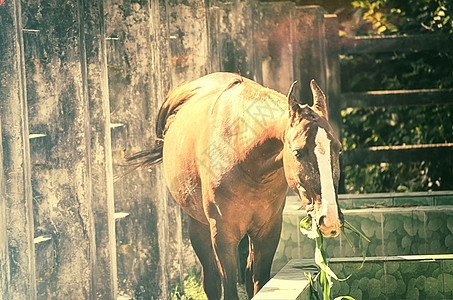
230, 149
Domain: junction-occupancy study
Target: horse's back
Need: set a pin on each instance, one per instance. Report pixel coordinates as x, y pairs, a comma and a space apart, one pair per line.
204, 88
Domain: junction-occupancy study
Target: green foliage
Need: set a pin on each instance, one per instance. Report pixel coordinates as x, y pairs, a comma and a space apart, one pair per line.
385, 126
192, 288
410, 16
322, 284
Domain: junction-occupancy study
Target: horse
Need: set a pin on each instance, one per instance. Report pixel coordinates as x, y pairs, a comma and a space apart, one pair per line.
230, 150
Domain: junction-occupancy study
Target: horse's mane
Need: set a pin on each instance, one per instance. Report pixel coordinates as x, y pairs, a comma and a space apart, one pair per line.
213, 85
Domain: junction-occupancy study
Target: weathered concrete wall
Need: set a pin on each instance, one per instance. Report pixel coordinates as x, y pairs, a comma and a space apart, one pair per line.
189, 39
236, 36
276, 40
19, 280
71, 171
105, 269
4, 259
139, 78
310, 49
81, 85
53, 93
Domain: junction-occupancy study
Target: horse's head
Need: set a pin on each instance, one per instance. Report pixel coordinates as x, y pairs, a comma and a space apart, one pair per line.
311, 160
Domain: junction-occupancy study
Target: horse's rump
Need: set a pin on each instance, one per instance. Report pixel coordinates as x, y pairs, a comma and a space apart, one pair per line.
209, 87
213, 85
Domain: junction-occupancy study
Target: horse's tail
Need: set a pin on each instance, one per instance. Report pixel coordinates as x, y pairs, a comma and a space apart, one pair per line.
175, 99
173, 102
144, 159
147, 158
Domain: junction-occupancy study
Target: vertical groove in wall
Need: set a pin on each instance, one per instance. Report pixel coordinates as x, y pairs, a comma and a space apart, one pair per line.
23, 283
91, 235
382, 233
425, 234
4, 255
108, 157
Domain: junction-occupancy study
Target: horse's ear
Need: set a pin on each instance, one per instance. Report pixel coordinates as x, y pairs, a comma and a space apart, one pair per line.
319, 99
292, 100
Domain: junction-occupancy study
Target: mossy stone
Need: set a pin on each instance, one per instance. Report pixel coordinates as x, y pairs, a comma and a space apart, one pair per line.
374, 288
368, 227
432, 286
434, 223
420, 283
400, 288
408, 268
406, 242
450, 224
448, 279
412, 294
379, 274
409, 227
363, 283
356, 294
449, 242
391, 224
448, 266
390, 282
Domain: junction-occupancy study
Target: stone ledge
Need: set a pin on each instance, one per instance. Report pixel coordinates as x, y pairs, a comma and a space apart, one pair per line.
288, 284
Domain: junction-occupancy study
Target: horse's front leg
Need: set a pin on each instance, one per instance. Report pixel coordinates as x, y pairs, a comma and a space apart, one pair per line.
263, 244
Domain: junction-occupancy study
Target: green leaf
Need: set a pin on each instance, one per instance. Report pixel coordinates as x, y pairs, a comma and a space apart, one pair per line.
320, 261
326, 284
349, 226
313, 289
346, 236
305, 223
361, 237
309, 228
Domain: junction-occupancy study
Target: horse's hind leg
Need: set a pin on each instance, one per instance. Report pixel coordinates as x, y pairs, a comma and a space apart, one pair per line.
200, 237
243, 252
263, 244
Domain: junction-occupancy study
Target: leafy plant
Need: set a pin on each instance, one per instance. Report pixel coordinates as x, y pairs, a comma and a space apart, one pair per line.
324, 280
193, 289
388, 126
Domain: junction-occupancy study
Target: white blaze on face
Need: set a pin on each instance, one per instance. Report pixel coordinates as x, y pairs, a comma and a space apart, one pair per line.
322, 153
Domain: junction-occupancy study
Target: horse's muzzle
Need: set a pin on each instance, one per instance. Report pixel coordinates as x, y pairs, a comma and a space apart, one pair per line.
331, 227
332, 231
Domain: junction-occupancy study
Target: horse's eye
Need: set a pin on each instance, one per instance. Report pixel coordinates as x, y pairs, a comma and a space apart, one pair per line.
299, 153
